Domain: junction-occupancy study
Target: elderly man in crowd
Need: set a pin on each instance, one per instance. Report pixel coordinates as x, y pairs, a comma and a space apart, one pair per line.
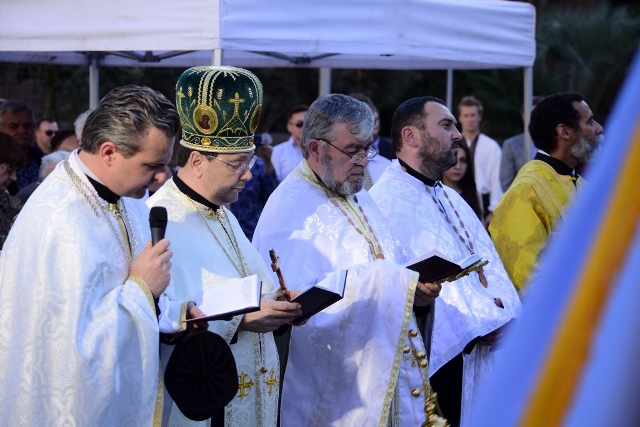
360, 361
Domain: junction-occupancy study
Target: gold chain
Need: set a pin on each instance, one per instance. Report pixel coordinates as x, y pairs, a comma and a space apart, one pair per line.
339, 201
468, 243
99, 208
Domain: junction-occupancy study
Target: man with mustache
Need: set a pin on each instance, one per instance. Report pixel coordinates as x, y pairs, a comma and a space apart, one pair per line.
208, 244
565, 133
360, 361
425, 215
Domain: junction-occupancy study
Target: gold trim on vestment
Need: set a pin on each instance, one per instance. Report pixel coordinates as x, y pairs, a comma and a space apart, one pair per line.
145, 288
404, 330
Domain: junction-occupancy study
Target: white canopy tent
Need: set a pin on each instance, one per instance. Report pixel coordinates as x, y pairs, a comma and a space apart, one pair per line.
380, 34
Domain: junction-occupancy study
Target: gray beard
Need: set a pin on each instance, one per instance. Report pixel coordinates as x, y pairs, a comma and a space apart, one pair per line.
344, 188
583, 150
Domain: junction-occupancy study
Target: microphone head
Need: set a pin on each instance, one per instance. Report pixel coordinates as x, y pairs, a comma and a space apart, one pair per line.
158, 216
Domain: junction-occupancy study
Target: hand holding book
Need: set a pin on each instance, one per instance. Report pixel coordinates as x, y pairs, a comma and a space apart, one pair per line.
434, 267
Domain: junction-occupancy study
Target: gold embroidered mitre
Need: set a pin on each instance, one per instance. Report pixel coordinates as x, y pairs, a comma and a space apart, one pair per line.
219, 108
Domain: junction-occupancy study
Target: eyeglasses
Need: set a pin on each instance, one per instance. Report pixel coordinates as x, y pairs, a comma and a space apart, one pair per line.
369, 153
238, 167
8, 169
49, 132
297, 124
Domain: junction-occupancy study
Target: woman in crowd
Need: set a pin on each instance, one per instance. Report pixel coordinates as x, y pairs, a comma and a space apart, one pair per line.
11, 157
460, 178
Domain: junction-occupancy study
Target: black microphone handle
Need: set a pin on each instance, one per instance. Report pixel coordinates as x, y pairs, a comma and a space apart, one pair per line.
157, 234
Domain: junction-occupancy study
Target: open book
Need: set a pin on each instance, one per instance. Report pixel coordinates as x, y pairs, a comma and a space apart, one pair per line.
435, 267
237, 296
315, 298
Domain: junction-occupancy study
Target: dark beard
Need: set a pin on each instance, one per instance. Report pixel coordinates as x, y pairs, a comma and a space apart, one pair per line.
434, 163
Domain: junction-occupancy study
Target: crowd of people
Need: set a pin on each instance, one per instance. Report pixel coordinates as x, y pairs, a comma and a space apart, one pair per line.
97, 317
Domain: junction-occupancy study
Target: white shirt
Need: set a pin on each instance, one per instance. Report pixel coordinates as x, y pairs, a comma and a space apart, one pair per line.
487, 157
285, 157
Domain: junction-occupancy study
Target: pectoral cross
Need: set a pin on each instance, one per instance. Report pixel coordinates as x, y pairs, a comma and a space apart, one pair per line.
242, 385
411, 358
271, 382
275, 266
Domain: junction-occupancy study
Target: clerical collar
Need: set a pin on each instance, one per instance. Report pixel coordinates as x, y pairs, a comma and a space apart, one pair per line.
102, 190
191, 193
417, 175
559, 166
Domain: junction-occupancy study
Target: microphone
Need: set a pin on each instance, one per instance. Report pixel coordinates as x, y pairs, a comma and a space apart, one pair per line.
157, 223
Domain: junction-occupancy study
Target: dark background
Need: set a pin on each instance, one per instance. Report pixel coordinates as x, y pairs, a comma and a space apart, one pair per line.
585, 46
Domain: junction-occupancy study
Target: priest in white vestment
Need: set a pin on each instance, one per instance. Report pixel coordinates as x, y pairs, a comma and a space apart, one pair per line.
425, 215
208, 244
361, 361
78, 278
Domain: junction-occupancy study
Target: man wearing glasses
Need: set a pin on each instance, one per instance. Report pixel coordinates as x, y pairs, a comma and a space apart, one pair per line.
208, 243
46, 128
288, 154
360, 361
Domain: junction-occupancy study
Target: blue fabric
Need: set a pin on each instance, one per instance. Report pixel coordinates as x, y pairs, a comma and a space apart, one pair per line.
252, 198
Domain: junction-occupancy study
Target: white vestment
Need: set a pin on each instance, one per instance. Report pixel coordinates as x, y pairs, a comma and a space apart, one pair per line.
347, 364
78, 339
465, 309
200, 262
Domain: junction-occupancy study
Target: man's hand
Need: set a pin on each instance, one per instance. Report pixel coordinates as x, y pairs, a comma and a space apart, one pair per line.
193, 312
271, 316
426, 293
153, 265
494, 339
487, 220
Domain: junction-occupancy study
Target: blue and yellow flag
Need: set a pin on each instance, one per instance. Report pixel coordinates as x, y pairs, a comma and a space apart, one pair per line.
571, 360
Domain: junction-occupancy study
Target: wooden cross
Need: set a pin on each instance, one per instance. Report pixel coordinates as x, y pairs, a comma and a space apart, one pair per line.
271, 381
275, 267
244, 384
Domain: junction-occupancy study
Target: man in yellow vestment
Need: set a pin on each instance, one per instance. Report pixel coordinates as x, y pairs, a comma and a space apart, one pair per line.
564, 131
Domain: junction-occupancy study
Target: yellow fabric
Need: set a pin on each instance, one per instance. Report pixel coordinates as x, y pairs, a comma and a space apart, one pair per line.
527, 214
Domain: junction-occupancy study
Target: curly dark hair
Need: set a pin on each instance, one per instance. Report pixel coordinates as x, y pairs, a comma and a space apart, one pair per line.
549, 113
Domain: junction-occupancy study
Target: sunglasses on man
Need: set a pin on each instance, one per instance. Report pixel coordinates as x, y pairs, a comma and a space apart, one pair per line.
298, 124
49, 132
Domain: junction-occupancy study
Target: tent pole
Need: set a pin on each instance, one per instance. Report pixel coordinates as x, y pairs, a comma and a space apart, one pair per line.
450, 89
94, 78
216, 57
528, 98
325, 81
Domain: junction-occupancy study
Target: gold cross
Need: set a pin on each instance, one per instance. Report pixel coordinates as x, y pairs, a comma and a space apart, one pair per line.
243, 384
412, 358
236, 101
271, 382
